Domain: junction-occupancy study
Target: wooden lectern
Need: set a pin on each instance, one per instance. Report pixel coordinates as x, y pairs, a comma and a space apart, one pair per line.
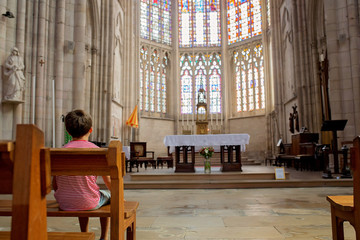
334, 126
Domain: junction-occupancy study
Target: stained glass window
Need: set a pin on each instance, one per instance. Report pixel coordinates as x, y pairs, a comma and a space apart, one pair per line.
215, 83
200, 75
243, 19
155, 21
207, 76
153, 77
249, 78
199, 23
186, 75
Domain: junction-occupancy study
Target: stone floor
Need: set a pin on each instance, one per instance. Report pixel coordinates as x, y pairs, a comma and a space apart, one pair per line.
271, 213
246, 214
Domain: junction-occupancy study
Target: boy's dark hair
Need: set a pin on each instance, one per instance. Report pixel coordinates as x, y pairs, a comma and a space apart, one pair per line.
78, 123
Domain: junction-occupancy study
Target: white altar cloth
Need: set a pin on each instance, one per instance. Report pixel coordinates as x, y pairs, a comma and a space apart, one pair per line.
199, 141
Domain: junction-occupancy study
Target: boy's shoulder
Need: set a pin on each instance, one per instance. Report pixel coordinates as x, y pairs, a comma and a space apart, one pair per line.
80, 144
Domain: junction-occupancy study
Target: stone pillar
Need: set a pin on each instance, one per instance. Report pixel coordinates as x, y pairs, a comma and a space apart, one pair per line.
3, 36
174, 89
20, 44
227, 97
79, 56
131, 53
353, 28
109, 66
59, 68
40, 62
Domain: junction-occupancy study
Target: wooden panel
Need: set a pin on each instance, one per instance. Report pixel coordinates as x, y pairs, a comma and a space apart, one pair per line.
58, 236
296, 139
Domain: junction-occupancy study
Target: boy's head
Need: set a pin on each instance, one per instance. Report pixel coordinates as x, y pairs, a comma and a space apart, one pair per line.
78, 123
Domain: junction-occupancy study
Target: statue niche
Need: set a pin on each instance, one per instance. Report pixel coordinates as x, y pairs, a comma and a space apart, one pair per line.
201, 113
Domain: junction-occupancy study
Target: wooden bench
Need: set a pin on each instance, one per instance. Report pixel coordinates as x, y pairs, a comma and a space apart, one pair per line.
347, 208
301, 161
28, 180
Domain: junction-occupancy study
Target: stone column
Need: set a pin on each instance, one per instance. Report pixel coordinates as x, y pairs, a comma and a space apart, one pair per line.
59, 68
3, 36
174, 90
20, 44
33, 61
226, 98
110, 66
40, 66
353, 28
131, 53
79, 56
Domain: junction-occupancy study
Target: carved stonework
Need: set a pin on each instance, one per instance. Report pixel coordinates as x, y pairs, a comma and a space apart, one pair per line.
14, 82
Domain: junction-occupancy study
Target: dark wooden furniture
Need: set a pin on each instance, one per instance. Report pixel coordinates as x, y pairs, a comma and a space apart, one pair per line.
347, 208
229, 164
300, 138
300, 154
139, 156
94, 161
186, 164
334, 126
23, 175
165, 159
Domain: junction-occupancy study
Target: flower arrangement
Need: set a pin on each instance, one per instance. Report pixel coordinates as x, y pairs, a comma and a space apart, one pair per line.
207, 152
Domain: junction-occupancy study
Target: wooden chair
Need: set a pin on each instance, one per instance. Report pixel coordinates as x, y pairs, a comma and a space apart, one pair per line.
139, 155
347, 208
28, 180
99, 162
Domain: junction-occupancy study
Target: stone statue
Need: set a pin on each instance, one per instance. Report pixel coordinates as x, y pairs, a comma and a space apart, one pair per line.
296, 118
14, 83
291, 123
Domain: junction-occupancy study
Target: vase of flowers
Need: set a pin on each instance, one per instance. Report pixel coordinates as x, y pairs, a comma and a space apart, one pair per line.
207, 153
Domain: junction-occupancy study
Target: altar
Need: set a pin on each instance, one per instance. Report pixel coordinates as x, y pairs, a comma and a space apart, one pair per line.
226, 144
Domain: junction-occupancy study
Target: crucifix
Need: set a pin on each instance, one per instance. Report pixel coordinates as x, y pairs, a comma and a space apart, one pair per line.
41, 62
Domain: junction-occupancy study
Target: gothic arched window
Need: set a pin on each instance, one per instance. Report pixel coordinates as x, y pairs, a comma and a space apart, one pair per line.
245, 23
155, 21
244, 19
153, 79
249, 78
207, 76
199, 23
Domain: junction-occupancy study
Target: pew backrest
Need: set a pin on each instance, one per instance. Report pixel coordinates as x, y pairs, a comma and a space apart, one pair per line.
20, 176
99, 162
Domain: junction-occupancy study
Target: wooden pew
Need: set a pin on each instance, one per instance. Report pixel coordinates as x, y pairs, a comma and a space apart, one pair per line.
347, 208
99, 162
23, 176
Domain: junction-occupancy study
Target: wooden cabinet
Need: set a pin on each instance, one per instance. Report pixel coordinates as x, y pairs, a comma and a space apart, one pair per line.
296, 139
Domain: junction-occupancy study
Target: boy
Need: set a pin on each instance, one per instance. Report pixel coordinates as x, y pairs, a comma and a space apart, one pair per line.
81, 192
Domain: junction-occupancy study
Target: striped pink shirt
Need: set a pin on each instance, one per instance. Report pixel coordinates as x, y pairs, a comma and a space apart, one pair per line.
77, 192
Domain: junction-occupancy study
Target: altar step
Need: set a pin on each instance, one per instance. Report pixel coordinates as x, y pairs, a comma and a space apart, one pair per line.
167, 179
235, 184
216, 161
214, 176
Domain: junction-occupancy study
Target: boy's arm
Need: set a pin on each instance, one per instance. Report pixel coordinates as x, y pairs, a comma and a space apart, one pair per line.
107, 181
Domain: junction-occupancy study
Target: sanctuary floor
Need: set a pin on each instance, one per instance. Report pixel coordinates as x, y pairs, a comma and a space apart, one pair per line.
246, 214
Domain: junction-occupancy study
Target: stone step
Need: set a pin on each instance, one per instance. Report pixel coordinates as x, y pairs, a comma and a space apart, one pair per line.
216, 161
